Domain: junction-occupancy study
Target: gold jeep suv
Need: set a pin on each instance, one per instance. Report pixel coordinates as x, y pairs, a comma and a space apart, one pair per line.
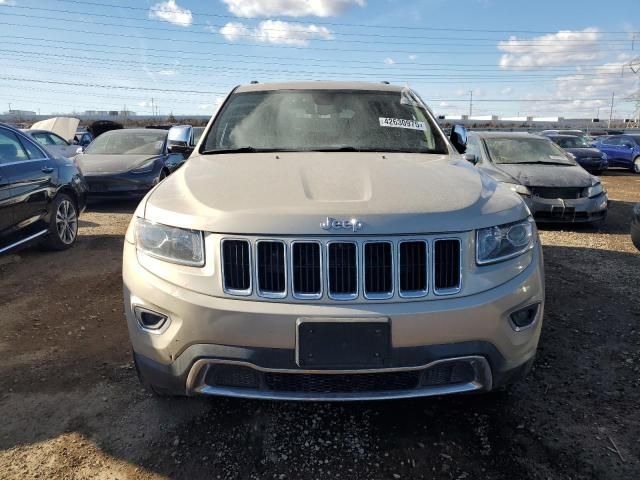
326, 241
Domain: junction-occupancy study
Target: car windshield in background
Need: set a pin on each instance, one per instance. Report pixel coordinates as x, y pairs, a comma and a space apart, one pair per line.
572, 142
128, 142
324, 120
526, 150
197, 133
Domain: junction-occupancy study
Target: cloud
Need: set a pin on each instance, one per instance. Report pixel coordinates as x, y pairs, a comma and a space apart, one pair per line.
290, 8
506, 91
167, 73
389, 61
276, 32
217, 101
413, 58
444, 104
8, 3
566, 46
171, 12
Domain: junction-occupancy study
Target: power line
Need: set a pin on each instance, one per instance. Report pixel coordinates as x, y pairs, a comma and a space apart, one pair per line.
287, 46
335, 24
167, 53
304, 33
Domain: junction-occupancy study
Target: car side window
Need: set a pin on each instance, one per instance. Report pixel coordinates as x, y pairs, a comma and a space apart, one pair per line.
32, 150
42, 138
626, 142
473, 147
11, 149
56, 140
613, 141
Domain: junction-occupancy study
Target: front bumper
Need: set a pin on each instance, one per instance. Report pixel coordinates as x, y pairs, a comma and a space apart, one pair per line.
579, 210
256, 341
125, 185
593, 164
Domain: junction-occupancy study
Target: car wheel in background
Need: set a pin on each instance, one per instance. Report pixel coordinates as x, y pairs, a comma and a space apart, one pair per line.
63, 226
636, 164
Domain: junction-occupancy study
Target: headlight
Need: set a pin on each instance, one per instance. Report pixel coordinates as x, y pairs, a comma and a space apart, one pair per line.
521, 189
595, 190
495, 244
171, 244
145, 167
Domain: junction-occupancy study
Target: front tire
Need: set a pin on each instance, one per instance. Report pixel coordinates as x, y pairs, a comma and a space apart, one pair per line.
636, 165
63, 225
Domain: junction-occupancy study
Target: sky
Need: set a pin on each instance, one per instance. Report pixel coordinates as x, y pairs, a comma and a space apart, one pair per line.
519, 58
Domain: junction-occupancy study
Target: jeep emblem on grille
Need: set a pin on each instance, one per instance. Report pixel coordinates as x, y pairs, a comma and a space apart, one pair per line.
333, 224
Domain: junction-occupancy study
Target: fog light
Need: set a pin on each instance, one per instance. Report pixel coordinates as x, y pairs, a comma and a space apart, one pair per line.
524, 318
149, 320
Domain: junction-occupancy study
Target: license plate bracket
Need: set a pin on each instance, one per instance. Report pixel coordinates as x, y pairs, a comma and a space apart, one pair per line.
343, 344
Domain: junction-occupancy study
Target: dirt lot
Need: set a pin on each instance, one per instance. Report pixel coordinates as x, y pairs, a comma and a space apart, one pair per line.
71, 407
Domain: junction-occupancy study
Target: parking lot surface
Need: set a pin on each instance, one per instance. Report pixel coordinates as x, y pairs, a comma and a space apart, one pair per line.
71, 406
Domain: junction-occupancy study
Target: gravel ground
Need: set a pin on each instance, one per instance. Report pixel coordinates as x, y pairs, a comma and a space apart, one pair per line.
71, 407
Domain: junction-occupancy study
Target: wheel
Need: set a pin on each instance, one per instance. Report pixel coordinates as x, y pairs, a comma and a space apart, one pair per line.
636, 164
635, 236
63, 225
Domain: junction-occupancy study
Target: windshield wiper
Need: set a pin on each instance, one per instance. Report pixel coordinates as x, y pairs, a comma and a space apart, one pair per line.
246, 149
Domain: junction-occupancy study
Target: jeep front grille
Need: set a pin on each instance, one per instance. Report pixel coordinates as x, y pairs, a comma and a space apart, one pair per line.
236, 267
446, 259
272, 269
341, 270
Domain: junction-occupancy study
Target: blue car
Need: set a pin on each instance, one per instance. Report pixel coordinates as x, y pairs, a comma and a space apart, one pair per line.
621, 150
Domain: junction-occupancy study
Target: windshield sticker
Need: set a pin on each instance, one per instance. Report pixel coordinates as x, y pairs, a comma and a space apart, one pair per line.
401, 123
556, 157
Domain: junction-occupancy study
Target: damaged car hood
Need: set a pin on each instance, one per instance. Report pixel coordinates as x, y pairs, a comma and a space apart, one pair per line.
63, 126
294, 192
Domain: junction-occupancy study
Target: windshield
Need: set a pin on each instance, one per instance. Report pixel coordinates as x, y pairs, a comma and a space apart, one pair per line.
197, 133
572, 142
321, 120
526, 150
128, 142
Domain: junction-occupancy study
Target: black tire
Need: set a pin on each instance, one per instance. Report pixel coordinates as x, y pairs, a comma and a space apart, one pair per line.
635, 236
636, 165
63, 224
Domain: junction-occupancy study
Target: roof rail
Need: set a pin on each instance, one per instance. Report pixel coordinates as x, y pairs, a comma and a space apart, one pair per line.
254, 82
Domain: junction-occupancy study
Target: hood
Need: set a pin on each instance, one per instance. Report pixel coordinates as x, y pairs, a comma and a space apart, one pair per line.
585, 152
546, 175
63, 126
109, 164
293, 193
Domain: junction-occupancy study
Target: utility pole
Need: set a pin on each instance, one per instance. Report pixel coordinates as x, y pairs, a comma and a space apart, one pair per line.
613, 97
9, 107
471, 102
153, 109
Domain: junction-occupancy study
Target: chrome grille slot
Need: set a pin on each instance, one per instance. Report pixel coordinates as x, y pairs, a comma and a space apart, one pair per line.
447, 264
343, 270
236, 267
378, 270
271, 271
413, 269
307, 270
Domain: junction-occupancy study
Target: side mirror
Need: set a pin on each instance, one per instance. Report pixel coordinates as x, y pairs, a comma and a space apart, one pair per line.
79, 150
180, 148
459, 138
471, 158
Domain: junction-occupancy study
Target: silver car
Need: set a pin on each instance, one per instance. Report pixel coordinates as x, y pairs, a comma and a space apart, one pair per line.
326, 241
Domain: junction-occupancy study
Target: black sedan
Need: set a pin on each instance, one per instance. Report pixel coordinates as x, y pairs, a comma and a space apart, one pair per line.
41, 194
127, 163
551, 183
589, 157
635, 226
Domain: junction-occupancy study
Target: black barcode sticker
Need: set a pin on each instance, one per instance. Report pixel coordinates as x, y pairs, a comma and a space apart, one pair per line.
401, 123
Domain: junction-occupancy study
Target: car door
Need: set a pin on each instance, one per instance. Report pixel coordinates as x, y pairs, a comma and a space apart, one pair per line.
626, 150
31, 175
7, 156
611, 146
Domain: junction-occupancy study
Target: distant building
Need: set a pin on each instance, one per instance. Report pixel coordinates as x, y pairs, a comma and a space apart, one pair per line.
21, 113
109, 113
